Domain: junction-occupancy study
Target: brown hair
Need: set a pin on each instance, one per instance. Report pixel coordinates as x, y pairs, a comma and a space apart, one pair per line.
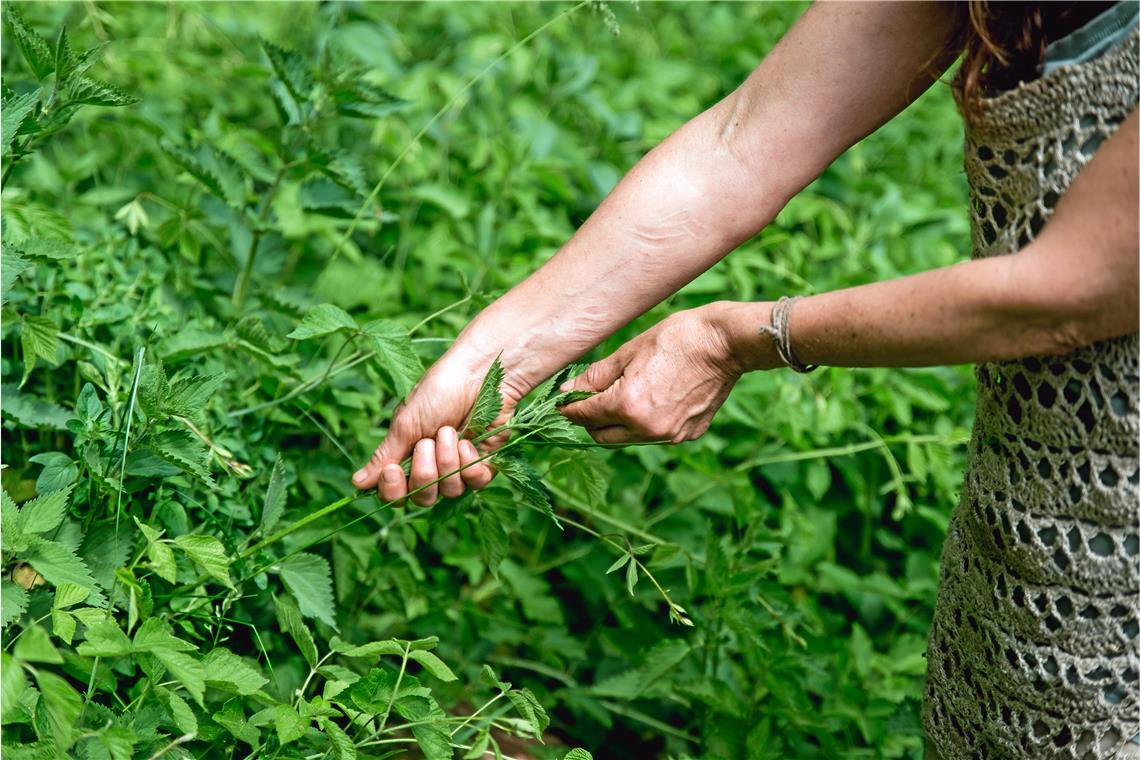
1002, 43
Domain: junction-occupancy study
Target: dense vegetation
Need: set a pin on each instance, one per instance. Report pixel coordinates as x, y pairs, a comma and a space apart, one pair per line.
232, 236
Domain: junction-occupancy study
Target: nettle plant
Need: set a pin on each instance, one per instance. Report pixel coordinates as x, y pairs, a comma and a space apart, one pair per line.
151, 608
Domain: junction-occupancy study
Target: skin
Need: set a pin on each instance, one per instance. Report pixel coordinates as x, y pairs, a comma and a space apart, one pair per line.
839, 73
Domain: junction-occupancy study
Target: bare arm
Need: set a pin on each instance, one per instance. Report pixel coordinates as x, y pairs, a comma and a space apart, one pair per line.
1075, 284
839, 73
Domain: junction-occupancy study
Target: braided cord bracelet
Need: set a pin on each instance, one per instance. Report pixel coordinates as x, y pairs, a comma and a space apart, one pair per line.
780, 331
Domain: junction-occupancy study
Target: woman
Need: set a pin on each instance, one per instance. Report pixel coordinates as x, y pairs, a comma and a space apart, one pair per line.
1033, 647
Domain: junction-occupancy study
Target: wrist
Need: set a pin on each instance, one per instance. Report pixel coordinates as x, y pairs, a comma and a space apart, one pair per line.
738, 325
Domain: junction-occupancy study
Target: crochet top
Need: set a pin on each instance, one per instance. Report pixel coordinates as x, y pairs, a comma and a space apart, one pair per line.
1033, 648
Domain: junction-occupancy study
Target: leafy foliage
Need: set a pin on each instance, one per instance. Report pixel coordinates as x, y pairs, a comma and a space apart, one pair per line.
214, 298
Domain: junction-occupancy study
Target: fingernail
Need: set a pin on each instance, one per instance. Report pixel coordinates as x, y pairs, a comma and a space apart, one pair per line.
392, 474
447, 436
568, 385
360, 475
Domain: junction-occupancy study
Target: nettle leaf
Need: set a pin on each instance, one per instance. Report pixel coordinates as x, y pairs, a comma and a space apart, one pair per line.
13, 113
96, 93
395, 355
45, 512
231, 718
323, 319
105, 639
153, 637
35, 49
215, 170
39, 337
531, 711
59, 471
494, 521
309, 580
364, 100
370, 650
13, 601
159, 553
207, 553
631, 684
183, 450
527, 482
225, 670
31, 412
293, 70
59, 564
489, 400
62, 705
180, 712
186, 396
324, 197
433, 665
12, 261
289, 618
274, 505
578, 754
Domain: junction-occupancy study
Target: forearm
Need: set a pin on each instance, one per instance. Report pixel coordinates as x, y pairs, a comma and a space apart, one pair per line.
676, 213
839, 73
1006, 307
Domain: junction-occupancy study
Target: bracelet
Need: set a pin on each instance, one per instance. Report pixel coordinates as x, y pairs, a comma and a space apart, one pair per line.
780, 332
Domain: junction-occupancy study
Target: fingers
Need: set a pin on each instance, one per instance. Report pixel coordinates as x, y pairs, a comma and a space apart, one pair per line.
447, 460
393, 450
474, 475
599, 375
613, 434
597, 411
393, 487
424, 472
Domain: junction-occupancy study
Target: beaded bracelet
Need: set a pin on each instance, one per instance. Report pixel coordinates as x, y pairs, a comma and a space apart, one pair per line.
780, 332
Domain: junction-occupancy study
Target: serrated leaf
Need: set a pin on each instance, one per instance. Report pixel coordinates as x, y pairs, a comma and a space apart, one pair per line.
105, 639
39, 338
528, 483
395, 355
186, 396
12, 261
531, 711
218, 173
323, 319
31, 412
291, 623
113, 743
35, 49
45, 512
63, 705
274, 505
63, 625
309, 580
180, 711
154, 638
369, 650
59, 471
96, 93
208, 553
433, 665
13, 685
69, 595
225, 670
183, 450
231, 718
631, 684
343, 745
578, 754
489, 401
291, 69
13, 113
13, 601
59, 564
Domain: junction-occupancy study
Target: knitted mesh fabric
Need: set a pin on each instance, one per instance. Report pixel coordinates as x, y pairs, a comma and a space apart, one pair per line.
1033, 648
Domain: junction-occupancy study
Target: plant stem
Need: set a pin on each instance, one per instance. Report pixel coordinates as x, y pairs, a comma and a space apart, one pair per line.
395, 689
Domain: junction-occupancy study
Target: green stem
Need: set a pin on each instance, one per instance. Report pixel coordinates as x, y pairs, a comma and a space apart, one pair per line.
395, 689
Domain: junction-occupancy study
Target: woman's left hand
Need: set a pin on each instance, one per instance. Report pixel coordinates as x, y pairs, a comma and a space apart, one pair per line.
664, 385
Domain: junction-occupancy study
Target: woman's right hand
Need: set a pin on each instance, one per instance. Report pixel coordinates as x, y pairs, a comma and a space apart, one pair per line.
428, 427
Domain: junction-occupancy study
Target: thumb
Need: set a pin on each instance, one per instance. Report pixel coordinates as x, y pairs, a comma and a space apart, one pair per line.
599, 375
394, 449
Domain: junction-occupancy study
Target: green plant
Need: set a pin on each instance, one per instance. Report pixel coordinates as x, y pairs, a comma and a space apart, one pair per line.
178, 458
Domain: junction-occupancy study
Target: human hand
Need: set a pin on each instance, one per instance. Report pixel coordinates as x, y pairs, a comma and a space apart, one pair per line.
664, 385
427, 427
